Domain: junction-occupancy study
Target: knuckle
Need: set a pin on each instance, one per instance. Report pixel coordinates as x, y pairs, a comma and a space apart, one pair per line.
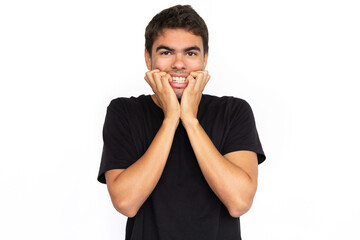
148, 74
156, 76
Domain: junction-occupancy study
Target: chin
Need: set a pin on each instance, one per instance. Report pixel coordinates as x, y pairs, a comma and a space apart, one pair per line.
179, 96
179, 93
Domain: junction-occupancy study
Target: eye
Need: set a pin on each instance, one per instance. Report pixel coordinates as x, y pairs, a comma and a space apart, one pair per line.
191, 54
166, 53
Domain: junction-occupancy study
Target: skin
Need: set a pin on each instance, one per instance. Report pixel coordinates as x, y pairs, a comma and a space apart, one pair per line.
232, 177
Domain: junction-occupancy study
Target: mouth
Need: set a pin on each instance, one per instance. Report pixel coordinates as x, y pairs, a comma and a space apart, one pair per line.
179, 79
178, 82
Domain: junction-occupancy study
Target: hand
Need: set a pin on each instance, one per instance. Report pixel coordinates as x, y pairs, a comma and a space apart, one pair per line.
192, 95
164, 94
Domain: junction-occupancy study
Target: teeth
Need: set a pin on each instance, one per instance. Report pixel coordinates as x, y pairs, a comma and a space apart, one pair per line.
178, 79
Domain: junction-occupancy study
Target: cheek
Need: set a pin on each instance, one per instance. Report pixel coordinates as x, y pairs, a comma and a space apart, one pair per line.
197, 64
161, 63
192, 64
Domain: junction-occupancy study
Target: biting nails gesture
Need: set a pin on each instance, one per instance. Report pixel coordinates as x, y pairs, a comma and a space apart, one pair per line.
164, 94
192, 95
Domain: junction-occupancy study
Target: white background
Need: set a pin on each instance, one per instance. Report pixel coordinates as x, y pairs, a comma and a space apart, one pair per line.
295, 62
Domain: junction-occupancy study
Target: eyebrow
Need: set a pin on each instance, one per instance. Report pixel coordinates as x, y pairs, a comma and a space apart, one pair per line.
192, 48
196, 48
164, 47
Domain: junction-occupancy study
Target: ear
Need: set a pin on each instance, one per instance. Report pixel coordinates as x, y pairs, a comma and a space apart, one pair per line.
147, 60
205, 59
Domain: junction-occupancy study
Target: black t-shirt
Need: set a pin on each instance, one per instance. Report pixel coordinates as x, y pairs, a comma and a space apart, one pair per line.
182, 205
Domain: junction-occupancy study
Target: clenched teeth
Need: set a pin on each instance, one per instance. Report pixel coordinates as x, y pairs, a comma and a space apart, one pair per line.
179, 79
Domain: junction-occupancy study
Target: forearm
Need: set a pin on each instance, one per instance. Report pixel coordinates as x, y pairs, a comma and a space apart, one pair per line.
233, 186
132, 187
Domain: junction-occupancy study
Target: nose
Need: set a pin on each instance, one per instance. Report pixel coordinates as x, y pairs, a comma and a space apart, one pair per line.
178, 62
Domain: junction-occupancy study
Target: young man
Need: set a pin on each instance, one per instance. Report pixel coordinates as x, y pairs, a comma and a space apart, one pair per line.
178, 163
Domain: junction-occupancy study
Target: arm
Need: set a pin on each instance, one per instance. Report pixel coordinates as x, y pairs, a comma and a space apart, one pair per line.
129, 188
232, 177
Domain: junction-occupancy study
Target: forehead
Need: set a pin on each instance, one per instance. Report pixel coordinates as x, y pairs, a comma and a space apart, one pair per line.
177, 39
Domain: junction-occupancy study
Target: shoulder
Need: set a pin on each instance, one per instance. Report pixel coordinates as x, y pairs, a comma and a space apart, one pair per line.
226, 102
125, 104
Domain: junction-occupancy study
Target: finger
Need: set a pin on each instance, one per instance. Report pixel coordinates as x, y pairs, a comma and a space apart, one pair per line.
194, 74
165, 80
199, 81
206, 80
199, 77
202, 79
199, 74
191, 82
151, 72
149, 77
157, 79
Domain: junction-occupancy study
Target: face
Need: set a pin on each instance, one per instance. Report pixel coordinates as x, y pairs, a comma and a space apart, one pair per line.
177, 52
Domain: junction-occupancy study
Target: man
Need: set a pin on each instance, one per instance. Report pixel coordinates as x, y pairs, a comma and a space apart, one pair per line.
178, 163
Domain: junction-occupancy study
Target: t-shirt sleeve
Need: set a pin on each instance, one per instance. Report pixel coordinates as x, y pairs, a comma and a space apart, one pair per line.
242, 133
118, 149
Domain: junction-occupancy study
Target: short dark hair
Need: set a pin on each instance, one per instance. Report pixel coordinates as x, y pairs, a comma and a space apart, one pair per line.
179, 16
